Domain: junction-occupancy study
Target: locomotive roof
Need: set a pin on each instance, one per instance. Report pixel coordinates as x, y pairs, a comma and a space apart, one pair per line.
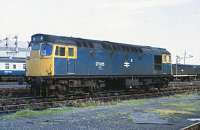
89, 42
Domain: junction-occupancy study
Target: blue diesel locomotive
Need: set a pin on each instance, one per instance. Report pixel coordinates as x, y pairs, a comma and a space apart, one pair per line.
65, 63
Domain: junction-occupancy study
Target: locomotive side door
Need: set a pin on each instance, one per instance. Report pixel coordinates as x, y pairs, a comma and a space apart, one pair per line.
71, 59
60, 61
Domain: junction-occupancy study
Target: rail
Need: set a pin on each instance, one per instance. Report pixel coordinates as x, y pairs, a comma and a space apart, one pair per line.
195, 126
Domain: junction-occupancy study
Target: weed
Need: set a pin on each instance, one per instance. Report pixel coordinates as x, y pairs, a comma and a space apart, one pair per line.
184, 106
93, 104
30, 113
135, 102
168, 112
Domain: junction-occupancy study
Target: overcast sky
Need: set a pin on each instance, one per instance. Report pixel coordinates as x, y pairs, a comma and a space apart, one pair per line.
171, 24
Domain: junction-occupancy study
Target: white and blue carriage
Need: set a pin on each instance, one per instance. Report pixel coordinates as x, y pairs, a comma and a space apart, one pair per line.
12, 60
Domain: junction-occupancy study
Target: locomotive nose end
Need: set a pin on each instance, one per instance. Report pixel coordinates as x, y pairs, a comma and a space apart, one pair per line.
40, 67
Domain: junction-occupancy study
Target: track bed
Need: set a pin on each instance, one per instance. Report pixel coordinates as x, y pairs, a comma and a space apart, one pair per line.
166, 113
75, 99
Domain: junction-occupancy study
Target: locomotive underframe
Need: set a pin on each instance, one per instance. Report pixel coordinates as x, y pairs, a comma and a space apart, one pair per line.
62, 85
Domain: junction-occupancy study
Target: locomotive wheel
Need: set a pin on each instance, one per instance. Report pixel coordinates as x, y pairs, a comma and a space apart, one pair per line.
60, 90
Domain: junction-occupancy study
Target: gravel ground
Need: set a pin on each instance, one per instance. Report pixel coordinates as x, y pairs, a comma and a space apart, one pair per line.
166, 113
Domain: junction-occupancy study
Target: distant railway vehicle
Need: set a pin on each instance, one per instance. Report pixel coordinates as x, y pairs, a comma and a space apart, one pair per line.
186, 72
61, 64
12, 69
12, 60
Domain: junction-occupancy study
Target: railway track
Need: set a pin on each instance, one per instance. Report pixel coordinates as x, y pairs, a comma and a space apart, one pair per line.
38, 103
14, 92
195, 126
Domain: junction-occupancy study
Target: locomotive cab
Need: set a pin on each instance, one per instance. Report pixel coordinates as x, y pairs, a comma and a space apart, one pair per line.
166, 63
40, 60
65, 59
47, 59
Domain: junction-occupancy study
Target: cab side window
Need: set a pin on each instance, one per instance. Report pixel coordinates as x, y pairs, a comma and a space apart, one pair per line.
71, 52
57, 51
166, 58
60, 51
